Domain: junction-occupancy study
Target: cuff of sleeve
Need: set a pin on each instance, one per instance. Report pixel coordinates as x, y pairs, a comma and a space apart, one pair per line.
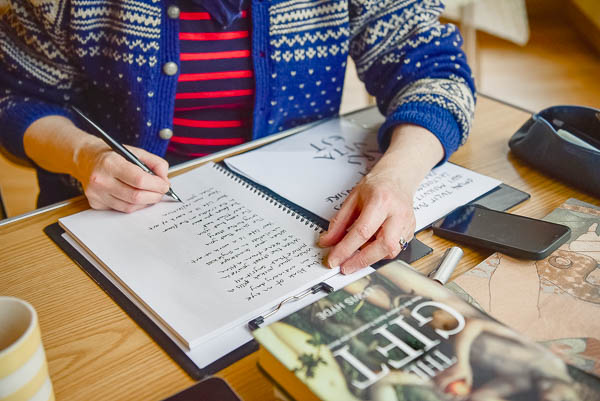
18, 117
437, 120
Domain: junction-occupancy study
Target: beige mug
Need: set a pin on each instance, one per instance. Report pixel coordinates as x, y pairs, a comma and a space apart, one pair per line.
23, 368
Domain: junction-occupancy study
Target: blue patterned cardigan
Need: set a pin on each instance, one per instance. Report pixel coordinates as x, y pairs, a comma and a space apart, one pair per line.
107, 57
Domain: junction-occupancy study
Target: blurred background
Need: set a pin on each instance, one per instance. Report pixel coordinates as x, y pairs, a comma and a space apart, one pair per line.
529, 53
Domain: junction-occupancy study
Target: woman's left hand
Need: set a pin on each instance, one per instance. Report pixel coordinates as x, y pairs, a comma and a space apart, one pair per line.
378, 217
375, 219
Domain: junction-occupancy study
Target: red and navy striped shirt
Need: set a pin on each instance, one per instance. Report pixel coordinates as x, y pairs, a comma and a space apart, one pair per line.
215, 90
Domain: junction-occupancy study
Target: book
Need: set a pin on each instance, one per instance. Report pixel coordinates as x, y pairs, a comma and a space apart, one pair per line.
396, 335
553, 300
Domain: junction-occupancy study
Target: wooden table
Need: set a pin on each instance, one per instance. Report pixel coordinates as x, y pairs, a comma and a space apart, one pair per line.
95, 351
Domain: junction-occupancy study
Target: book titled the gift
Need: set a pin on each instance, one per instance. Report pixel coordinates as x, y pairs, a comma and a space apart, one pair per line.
396, 335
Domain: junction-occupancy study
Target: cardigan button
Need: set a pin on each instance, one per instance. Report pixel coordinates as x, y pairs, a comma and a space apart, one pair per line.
165, 133
173, 12
170, 68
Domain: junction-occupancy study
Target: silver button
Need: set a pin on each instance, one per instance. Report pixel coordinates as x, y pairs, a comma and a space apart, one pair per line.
165, 133
173, 12
170, 68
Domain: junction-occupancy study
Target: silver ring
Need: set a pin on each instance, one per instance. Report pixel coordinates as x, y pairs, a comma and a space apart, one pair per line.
403, 244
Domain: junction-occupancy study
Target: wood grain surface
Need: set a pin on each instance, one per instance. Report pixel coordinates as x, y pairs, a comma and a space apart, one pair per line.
95, 351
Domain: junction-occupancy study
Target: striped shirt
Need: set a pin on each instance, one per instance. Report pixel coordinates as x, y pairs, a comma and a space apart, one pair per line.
215, 91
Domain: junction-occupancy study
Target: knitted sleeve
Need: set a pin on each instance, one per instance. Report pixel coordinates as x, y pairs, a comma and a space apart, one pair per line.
36, 76
414, 66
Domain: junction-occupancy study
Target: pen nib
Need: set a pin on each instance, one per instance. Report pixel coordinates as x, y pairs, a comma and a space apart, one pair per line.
174, 195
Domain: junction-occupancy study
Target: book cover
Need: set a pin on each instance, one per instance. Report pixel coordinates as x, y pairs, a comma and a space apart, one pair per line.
556, 300
396, 335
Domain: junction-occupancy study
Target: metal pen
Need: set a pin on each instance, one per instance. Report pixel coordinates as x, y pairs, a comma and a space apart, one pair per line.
448, 263
122, 150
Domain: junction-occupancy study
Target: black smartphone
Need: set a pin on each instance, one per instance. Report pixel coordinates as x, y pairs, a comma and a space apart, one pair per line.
513, 235
211, 389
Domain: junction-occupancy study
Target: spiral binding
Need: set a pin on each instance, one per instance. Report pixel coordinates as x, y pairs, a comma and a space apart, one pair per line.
285, 208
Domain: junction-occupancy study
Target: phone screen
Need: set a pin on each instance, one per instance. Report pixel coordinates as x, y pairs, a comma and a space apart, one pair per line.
488, 227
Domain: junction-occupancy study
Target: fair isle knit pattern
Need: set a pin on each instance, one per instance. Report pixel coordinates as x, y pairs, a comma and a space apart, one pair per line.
108, 56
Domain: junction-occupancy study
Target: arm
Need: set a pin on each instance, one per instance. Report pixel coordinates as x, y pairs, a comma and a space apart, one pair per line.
109, 181
415, 68
36, 79
381, 204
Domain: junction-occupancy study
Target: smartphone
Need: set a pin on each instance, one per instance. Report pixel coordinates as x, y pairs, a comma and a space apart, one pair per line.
518, 236
211, 389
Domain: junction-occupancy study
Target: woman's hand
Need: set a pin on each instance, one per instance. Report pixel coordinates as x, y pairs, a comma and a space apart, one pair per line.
109, 181
378, 214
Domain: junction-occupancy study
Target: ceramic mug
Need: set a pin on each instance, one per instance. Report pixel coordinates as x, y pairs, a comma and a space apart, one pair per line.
23, 368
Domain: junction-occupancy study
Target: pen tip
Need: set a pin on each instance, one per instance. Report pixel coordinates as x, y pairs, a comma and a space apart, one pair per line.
174, 195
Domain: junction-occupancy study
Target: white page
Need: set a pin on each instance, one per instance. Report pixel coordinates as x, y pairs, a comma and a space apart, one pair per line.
224, 255
317, 169
205, 354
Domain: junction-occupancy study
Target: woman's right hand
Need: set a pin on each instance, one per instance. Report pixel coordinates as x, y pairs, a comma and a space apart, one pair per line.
109, 180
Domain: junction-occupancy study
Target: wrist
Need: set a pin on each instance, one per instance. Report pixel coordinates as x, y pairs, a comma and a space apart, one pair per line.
55, 144
83, 153
412, 153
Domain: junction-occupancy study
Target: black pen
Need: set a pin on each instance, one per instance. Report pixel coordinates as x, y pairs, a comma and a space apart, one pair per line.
122, 150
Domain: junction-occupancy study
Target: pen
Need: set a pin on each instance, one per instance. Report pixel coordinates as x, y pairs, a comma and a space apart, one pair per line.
571, 134
122, 150
448, 263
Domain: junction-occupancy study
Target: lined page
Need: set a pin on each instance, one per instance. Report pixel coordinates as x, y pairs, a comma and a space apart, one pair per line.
213, 262
332, 157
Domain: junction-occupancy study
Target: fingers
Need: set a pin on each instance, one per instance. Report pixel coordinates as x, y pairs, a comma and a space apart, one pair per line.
107, 192
385, 246
135, 177
365, 226
134, 194
340, 223
369, 226
110, 202
157, 164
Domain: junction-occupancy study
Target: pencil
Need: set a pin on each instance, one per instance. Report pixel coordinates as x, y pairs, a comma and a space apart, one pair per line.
122, 150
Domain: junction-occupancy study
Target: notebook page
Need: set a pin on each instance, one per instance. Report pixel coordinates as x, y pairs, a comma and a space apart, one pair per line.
217, 347
332, 157
209, 264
